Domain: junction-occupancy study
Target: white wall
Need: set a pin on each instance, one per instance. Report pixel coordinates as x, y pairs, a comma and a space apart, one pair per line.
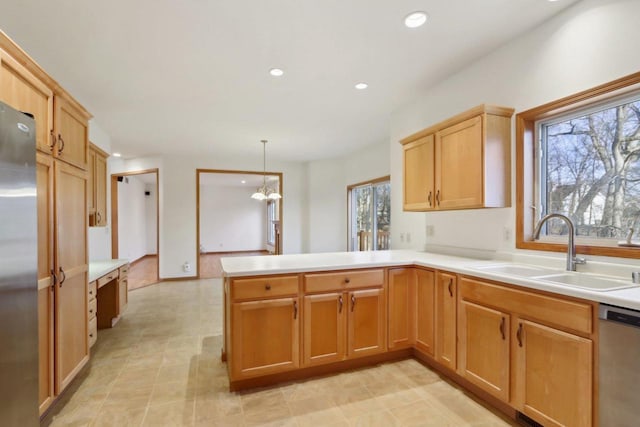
100, 237
177, 181
327, 184
230, 220
590, 43
132, 219
151, 220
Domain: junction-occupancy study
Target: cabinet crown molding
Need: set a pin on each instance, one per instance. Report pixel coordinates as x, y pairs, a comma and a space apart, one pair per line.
494, 110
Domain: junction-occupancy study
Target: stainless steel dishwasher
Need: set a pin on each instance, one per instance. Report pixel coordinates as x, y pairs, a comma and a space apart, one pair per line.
619, 367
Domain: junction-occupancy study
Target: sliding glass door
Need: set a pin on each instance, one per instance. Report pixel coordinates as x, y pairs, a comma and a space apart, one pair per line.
369, 215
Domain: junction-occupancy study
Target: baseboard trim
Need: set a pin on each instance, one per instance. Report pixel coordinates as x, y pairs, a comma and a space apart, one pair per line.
261, 251
314, 371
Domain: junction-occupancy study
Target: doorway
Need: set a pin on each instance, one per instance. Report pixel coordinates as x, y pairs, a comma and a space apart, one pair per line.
230, 222
369, 205
135, 225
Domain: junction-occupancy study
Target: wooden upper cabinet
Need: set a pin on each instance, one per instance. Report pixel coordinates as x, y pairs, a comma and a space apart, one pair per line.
97, 186
71, 132
462, 163
25, 92
553, 375
419, 162
459, 178
484, 348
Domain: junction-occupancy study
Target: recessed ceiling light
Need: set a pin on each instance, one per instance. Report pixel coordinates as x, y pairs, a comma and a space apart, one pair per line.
415, 19
243, 182
117, 155
276, 72
361, 86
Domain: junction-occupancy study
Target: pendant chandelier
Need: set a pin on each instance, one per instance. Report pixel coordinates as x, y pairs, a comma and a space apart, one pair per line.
264, 192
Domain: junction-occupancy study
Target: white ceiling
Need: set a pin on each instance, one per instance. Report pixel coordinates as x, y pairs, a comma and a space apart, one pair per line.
191, 76
235, 180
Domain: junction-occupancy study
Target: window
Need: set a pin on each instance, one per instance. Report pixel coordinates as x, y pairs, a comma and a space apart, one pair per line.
369, 215
271, 223
580, 156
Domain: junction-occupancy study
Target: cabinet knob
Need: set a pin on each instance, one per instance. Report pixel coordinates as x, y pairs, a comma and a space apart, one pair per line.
267, 287
347, 280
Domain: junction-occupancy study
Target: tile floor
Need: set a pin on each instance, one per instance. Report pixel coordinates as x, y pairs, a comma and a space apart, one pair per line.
160, 366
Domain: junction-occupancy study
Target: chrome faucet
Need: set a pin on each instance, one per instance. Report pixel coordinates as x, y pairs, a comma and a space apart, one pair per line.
572, 260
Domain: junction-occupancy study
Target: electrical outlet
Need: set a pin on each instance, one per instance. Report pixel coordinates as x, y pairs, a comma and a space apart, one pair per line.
430, 230
186, 267
506, 234
402, 237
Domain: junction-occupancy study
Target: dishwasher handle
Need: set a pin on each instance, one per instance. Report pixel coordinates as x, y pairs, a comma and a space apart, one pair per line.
620, 315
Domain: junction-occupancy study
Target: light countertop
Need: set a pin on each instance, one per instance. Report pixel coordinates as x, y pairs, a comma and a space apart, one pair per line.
298, 263
97, 269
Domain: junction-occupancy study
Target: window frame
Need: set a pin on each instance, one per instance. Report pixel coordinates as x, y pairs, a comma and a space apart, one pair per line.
526, 136
373, 183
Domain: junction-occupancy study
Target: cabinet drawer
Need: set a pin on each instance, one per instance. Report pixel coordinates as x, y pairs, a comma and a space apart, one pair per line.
556, 311
93, 331
323, 282
93, 289
93, 307
107, 278
264, 287
124, 271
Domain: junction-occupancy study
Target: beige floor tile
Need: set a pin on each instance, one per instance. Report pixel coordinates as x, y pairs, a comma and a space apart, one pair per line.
118, 417
310, 405
176, 414
374, 419
160, 365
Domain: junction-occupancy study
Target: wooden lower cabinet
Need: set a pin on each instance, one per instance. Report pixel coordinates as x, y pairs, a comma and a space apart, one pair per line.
425, 311
553, 375
484, 348
45, 347
324, 328
401, 301
366, 323
446, 318
265, 337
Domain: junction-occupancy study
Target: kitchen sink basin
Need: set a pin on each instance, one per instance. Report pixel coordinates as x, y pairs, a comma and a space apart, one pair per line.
519, 270
588, 281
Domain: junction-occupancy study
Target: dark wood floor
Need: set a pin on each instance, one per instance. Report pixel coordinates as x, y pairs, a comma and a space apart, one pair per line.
210, 263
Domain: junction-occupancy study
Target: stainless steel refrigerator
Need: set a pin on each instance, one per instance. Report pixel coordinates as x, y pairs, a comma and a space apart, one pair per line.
18, 270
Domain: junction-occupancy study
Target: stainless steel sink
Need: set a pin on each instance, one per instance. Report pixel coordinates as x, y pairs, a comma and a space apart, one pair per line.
518, 270
592, 282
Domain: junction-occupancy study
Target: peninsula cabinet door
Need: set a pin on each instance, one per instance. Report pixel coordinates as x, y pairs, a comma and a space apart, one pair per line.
553, 383
265, 337
366, 322
324, 328
484, 348
425, 311
402, 307
446, 333
71, 299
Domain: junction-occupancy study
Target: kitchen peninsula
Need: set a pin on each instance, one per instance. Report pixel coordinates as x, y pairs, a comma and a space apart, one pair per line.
526, 345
